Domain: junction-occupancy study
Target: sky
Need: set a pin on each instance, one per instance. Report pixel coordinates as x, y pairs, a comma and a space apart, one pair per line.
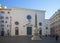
50, 6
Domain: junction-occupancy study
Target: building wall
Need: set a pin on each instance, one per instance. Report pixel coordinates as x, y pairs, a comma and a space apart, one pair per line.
20, 15
4, 21
47, 26
55, 23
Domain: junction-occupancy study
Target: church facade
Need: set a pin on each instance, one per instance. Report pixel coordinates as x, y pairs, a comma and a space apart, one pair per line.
20, 21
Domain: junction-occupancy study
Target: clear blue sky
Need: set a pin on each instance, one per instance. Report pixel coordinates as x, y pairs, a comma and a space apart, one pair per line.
49, 5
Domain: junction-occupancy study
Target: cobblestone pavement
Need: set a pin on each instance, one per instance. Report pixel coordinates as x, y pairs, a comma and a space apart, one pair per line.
26, 39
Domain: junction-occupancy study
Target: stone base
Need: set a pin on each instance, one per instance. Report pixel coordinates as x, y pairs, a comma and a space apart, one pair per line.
36, 38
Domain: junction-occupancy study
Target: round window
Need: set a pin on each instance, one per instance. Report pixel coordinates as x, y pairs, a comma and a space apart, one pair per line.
17, 23
28, 17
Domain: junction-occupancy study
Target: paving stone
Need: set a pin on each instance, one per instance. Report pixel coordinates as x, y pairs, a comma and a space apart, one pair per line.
26, 39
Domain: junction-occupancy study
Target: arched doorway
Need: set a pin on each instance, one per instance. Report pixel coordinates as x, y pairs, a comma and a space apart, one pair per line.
40, 32
29, 30
2, 33
16, 31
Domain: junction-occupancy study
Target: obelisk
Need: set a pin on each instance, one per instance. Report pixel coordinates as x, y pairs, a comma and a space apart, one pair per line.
35, 31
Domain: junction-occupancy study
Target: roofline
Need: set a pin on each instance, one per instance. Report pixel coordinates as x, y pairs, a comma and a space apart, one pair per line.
5, 9
28, 9
57, 12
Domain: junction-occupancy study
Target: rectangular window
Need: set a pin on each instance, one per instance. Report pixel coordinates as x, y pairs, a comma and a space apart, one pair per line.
5, 21
1, 17
46, 27
2, 21
2, 28
2, 12
7, 25
8, 12
2, 25
6, 17
40, 24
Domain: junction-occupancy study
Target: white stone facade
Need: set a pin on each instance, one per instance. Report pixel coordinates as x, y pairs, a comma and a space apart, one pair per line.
47, 27
4, 21
17, 21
